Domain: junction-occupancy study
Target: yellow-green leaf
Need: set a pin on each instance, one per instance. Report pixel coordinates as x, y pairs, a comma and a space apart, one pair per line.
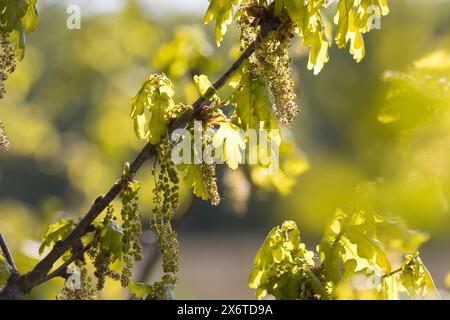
222, 12
231, 140
253, 104
155, 97
205, 87
193, 178
111, 239
55, 232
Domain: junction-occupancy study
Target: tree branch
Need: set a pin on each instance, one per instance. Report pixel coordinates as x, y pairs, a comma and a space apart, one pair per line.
62, 270
7, 254
39, 274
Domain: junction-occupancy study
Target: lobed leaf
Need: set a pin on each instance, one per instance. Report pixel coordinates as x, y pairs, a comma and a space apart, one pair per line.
222, 12
55, 232
155, 97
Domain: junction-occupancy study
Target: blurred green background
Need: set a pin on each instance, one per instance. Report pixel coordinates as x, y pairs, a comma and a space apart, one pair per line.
371, 137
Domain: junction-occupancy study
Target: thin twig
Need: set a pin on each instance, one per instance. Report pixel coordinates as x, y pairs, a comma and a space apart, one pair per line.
7, 254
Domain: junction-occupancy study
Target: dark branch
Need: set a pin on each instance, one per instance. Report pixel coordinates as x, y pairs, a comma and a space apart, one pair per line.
40, 272
7, 254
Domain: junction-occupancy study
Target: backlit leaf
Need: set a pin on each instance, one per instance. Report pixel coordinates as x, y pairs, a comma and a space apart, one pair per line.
55, 232
230, 139
222, 12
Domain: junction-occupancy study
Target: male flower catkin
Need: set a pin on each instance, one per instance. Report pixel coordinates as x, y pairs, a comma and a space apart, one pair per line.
210, 181
132, 230
4, 143
166, 201
271, 60
7, 61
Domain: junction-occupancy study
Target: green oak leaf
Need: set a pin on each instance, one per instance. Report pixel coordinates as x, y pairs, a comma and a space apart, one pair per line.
253, 104
194, 179
111, 239
416, 279
4, 271
140, 290
222, 12
311, 29
353, 18
155, 97
205, 88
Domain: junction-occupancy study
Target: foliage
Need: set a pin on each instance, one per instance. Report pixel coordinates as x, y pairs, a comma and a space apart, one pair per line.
155, 96
283, 266
353, 18
17, 18
254, 98
187, 52
222, 12
4, 271
55, 232
353, 244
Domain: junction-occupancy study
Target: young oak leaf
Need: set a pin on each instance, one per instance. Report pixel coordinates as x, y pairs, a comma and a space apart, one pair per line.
310, 27
416, 279
314, 37
222, 12
140, 290
30, 19
205, 88
369, 247
353, 18
229, 140
155, 96
282, 264
17, 18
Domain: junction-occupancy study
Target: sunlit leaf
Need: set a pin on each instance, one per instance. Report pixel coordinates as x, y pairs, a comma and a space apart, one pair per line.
253, 104
416, 279
155, 97
194, 178
230, 138
205, 87
55, 232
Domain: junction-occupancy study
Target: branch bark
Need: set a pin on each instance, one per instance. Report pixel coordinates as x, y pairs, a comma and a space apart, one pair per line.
40, 273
